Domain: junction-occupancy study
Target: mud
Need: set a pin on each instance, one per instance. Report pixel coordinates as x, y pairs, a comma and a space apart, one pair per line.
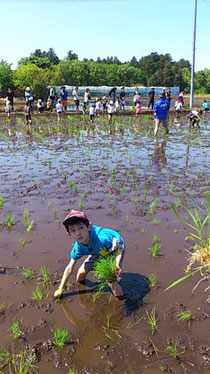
51, 168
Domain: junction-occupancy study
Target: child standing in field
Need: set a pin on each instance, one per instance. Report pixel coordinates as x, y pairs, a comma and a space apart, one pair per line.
98, 106
94, 242
110, 110
27, 111
138, 108
104, 102
117, 105
178, 107
59, 109
92, 113
8, 107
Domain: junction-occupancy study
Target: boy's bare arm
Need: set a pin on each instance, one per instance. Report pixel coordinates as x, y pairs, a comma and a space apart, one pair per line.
66, 274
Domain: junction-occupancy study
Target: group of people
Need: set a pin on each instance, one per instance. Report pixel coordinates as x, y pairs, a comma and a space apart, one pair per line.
110, 104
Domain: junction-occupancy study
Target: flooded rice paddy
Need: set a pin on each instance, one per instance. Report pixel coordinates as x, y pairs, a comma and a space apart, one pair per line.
123, 179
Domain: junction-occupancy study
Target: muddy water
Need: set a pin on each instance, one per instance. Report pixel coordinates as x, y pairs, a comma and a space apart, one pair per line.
113, 175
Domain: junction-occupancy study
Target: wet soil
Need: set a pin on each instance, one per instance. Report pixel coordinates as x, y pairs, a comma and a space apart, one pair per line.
113, 174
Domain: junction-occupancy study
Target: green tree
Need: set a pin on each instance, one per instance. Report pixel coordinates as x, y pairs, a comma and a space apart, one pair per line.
41, 62
30, 76
5, 76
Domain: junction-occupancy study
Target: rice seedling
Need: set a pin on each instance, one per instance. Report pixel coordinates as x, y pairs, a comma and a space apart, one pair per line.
130, 324
27, 273
122, 191
84, 194
155, 221
1, 202
198, 230
185, 316
28, 229
71, 371
37, 294
44, 277
2, 306
55, 211
155, 248
145, 194
153, 205
59, 219
49, 204
22, 242
154, 347
60, 337
80, 204
151, 319
106, 272
172, 350
10, 220
64, 176
75, 188
4, 357
152, 279
16, 330
26, 214
22, 364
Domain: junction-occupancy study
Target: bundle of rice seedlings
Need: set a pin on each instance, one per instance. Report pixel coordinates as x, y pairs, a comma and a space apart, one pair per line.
106, 272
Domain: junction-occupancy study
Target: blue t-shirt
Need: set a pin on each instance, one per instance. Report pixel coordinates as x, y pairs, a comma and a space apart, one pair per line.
100, 243
161, 108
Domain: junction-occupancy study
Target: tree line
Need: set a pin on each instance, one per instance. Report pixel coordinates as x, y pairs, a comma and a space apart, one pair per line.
42, 69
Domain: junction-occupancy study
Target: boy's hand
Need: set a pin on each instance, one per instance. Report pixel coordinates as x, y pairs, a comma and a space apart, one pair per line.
58, 293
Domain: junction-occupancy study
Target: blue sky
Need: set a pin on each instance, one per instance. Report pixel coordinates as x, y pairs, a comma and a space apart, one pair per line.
122, 28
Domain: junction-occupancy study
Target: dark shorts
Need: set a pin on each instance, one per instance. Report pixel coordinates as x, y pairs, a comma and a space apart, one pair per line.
76, 102
206, 109
92, 116
28, 117
110, 114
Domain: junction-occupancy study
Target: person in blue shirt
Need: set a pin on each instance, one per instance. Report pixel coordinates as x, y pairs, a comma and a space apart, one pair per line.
94, 242
160, 110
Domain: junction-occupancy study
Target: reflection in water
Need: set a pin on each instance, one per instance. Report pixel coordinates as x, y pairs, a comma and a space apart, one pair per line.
178, 122
159, 153
187, 156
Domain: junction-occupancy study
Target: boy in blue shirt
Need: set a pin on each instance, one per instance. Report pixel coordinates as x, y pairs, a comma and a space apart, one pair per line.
93, 242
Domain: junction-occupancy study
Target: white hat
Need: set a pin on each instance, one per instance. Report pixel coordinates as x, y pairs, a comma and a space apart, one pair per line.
27, 88
111, 102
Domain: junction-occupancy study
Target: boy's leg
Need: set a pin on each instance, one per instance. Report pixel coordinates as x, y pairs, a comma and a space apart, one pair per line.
157, 124
84, 269
165, 125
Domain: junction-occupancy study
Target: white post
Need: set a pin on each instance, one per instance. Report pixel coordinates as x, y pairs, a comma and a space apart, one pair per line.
193, 59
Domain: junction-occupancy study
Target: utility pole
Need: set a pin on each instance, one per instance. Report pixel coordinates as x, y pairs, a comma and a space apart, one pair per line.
193, 59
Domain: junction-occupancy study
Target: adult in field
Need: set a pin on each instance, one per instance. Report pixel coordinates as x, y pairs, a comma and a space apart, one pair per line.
151, 98
10, 96
122, 98
160, 110
112, 94
52, 98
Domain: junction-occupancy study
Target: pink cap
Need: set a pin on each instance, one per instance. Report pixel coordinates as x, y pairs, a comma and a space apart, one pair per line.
75, 214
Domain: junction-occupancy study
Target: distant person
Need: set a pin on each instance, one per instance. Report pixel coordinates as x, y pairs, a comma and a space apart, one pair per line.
8, 107
163, 91
27, 111
138, 108
28, 96
112, 94
98, 106
195, 117
86, 99
117, 105
151, 98
52, 98
10, 96
110, 110
104, 103
160, 110
205, 106
59, 109
92, 113
75, 95
136, 96
168, 96
181, 97
122, 98
63, 97
178, 107
40, 106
